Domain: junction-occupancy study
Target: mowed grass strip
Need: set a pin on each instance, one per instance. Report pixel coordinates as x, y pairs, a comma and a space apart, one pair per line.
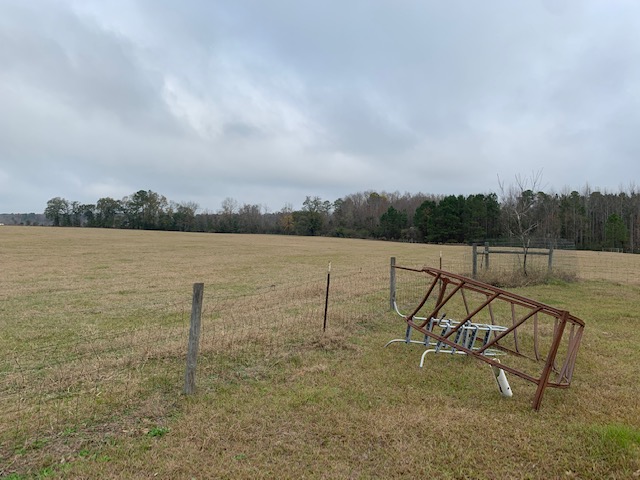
294, 403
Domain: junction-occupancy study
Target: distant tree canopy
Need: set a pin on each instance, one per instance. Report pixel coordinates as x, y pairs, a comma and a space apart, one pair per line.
591, 220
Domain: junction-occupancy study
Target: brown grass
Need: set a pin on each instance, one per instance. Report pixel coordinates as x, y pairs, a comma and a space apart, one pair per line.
94, 328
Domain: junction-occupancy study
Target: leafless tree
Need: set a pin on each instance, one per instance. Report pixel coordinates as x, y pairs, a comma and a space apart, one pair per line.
519, 202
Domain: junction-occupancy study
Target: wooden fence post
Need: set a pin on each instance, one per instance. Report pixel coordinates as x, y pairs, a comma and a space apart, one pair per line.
392, 284
194, 339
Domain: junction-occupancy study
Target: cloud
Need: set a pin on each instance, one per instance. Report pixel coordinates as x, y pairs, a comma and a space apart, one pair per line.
268, 102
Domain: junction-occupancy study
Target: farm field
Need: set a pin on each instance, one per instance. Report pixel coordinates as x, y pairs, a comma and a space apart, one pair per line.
92, 353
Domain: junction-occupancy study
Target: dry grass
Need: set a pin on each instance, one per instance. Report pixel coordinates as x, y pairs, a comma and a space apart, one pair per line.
94, 325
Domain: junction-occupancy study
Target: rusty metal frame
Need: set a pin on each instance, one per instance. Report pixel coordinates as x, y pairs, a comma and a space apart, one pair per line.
445, 287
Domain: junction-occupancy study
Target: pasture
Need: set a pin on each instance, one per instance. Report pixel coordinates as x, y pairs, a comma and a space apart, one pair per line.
92, 354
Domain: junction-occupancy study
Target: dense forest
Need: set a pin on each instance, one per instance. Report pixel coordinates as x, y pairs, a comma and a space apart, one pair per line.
587, 219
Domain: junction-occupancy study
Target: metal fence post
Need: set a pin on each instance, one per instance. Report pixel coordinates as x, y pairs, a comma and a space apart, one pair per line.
326, 300
486, 255
392, 284
474, 261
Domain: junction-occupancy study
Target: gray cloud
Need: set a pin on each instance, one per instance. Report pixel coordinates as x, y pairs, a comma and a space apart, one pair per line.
268, 102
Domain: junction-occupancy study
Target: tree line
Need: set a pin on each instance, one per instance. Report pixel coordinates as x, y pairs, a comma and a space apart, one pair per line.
587, 219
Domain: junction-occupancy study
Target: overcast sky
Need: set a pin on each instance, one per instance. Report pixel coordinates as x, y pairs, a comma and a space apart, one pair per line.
267, 102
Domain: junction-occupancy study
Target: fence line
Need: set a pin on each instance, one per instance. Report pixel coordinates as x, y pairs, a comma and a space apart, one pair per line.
48, 388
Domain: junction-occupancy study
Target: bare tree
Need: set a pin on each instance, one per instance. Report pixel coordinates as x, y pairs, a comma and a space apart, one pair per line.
229, 216
519, 202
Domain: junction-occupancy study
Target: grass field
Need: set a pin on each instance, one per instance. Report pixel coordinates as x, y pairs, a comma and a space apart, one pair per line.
94, 330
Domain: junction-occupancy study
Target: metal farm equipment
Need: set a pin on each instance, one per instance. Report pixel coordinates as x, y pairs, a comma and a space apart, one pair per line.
458, 315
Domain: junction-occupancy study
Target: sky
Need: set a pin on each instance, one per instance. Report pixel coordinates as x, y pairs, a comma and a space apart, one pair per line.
268, 102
